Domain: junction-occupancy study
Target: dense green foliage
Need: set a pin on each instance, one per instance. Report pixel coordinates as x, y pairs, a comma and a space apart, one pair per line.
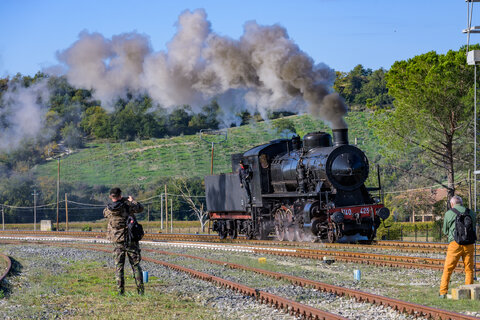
432, 115
363, 88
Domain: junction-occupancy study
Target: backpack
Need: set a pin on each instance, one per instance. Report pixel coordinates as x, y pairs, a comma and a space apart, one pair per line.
134, 230
464, 228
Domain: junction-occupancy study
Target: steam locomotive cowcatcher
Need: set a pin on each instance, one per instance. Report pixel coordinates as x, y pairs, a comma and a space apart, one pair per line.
298, 188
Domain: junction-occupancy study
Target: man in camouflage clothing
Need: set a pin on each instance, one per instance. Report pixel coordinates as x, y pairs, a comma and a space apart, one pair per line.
117, 213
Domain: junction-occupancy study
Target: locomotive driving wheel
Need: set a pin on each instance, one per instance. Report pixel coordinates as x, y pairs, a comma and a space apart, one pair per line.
290, 225
284, 228
331, 235
279, 224
299, 233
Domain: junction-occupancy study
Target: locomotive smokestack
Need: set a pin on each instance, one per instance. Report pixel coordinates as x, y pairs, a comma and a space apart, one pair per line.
340, 137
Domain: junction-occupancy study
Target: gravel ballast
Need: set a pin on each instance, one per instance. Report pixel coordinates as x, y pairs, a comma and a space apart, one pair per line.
229, 305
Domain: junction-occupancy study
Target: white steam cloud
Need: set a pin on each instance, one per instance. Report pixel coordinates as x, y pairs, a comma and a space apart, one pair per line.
262, 71
23, 113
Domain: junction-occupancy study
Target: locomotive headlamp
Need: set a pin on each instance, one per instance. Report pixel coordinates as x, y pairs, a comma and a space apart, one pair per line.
337, 217
383, 213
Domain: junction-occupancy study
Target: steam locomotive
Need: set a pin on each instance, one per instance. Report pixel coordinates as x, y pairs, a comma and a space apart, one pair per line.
300, 189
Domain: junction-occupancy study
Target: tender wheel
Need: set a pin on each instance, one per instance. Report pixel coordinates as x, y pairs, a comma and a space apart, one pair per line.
233, 234
222, 232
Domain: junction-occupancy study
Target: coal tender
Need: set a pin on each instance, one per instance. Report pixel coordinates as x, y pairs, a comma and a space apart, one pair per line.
303, 190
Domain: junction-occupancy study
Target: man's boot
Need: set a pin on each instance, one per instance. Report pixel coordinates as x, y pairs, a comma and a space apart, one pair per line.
121, 287
141, 289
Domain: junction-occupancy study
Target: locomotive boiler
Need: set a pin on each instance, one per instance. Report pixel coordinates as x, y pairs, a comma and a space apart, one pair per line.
299, 189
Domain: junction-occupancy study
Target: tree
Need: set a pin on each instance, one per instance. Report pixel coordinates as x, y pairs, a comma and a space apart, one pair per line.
349, 85
284, 127
96, 122
433, 108
189, 195
72, 136
178, 121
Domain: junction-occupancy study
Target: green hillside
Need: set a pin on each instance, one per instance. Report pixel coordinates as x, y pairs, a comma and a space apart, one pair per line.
143, 161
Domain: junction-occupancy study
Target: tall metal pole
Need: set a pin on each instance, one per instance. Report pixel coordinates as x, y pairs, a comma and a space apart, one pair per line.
58, 187
34, 209
475, 165
475, 139
470, 188
166, 209
211, 161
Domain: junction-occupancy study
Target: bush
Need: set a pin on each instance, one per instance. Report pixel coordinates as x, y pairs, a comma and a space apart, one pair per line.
391, 230
87, 228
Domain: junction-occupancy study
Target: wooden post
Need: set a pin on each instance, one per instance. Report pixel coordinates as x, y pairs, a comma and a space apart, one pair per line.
66, 213
166, 209
148, 212
3, 218
34, 209
171, 215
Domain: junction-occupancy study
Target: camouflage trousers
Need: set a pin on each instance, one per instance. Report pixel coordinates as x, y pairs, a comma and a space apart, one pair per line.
133, 252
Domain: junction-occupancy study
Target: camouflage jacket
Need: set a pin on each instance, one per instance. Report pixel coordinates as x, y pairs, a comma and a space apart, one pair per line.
117, 214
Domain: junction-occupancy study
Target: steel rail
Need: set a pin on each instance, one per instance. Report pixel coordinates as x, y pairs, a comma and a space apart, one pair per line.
289, 306
399, 305
318, 254
7, 268
366, 258
383, 244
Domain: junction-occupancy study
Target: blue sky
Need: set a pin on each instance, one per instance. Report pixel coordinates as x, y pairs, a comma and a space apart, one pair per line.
340, 33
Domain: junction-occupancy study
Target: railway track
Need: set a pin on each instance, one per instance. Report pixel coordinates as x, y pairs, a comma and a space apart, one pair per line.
292, 307
424, 247
283, 304
377, 259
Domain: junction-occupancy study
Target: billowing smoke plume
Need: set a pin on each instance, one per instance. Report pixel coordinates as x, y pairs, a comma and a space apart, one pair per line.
23, 113
262, 71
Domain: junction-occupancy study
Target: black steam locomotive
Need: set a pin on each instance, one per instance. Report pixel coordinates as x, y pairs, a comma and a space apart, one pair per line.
297, 189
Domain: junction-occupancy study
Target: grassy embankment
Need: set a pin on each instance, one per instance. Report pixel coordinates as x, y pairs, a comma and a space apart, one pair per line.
142, 162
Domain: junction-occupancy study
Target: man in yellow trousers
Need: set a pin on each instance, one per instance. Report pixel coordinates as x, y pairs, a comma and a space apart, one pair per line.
465, 250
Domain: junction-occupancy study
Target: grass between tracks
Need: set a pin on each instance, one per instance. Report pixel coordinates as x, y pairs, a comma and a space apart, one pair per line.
407, 285
86, 290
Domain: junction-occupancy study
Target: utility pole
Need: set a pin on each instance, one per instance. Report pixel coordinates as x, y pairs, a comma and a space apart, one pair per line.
161, 211
3, 218
171, 215
58, 186
34, 209
210, 136
148, 212
66, 212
